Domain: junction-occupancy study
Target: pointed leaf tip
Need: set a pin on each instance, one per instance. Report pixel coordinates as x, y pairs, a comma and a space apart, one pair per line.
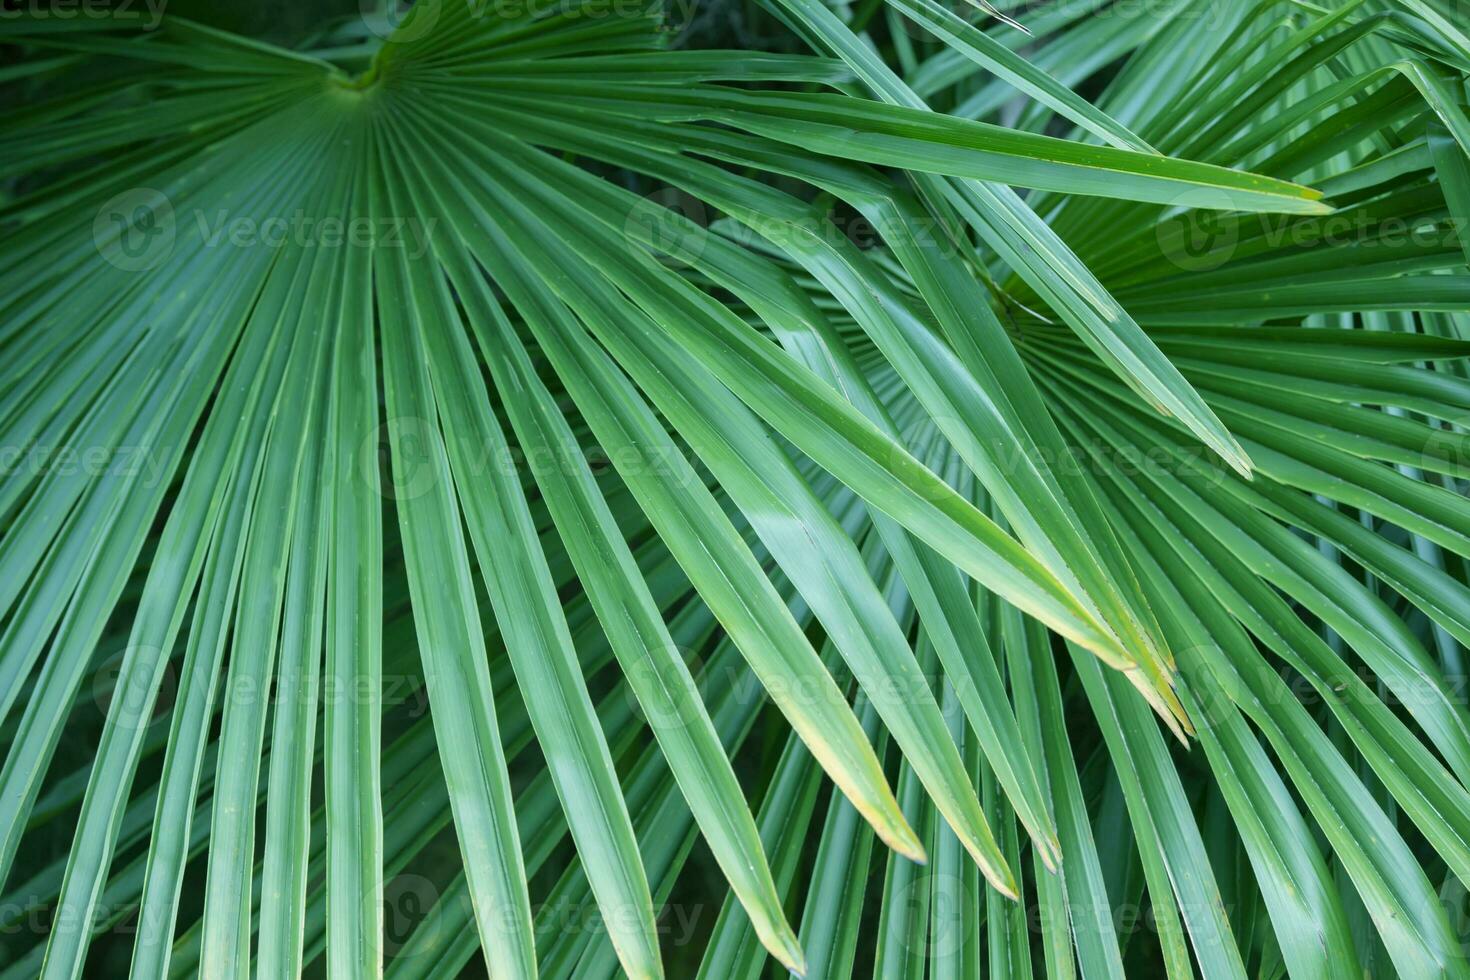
791, 954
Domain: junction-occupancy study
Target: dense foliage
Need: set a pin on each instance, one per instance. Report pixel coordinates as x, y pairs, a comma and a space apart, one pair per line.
547, 485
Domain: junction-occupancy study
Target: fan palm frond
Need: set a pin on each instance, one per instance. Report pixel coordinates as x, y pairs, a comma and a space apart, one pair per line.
506, 390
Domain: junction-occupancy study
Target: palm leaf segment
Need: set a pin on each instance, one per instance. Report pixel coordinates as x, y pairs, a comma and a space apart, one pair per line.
754, 441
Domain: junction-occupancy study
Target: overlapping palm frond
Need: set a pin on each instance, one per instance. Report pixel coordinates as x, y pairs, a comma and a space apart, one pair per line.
611, 447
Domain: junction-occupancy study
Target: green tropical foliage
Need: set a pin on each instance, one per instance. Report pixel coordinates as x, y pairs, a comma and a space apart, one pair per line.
592, 487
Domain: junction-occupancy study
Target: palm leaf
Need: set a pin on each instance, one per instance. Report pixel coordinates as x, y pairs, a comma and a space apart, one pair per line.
1008, 390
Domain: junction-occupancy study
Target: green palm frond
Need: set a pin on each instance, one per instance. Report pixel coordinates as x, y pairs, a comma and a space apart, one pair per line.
498, 466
